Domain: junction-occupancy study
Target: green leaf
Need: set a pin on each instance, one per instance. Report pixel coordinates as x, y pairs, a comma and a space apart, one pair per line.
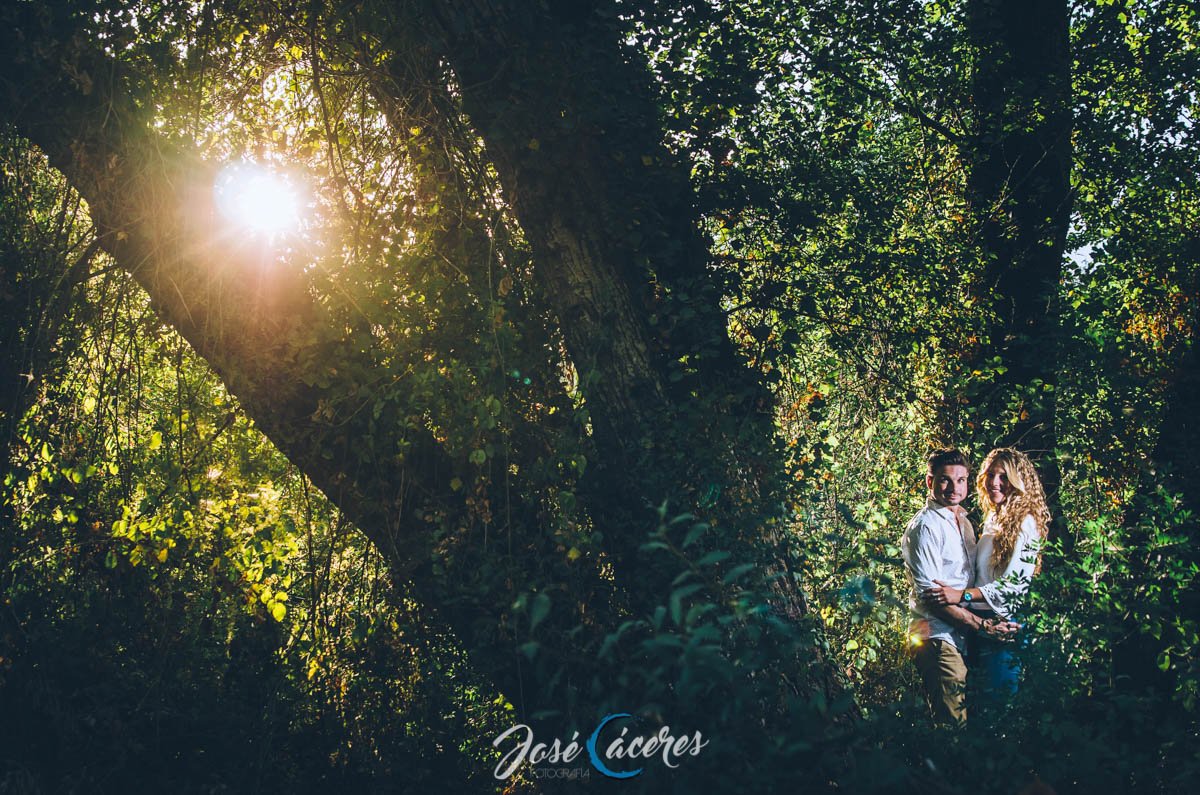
278, 611
736, 573
682, 576
694, 534
155, 440
677, 597
716, 556
538, 610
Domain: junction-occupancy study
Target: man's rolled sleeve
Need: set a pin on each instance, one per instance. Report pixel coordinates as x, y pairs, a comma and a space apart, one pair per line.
926, 553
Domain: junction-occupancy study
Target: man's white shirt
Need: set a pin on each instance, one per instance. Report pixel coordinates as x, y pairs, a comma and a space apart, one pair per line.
936, 545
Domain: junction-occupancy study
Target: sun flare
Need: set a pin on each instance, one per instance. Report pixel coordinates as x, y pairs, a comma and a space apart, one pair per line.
258, 199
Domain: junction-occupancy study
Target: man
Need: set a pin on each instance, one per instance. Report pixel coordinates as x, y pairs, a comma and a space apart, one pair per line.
939, 544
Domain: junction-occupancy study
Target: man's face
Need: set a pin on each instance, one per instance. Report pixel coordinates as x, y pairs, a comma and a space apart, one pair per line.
948, 484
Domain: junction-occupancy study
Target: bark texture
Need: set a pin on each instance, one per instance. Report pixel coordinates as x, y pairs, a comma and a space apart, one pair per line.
1019, 165
290, 363
569, 122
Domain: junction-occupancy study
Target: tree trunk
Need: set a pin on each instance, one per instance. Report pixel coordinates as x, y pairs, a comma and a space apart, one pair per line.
1019, 165
568, 120
1175, 466
293, 367
1175, 457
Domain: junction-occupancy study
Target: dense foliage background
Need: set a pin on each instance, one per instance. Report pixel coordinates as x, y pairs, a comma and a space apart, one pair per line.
599, 376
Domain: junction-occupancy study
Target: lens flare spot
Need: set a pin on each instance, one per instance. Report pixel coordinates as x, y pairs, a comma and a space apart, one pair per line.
258, 199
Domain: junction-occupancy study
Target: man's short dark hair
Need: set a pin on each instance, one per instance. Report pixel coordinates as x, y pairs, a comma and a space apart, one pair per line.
947, 457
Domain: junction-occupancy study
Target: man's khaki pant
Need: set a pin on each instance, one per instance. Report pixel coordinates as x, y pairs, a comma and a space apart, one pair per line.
944, 675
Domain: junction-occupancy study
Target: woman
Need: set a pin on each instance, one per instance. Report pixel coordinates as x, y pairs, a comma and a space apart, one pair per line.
1006, 559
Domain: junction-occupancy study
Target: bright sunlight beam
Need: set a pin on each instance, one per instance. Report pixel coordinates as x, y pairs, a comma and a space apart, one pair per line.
258, 199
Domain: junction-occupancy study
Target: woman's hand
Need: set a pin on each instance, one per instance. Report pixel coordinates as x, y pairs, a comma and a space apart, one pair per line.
941, 595
998, 629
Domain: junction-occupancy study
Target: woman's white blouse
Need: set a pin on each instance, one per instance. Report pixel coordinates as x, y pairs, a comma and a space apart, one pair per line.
1005, 590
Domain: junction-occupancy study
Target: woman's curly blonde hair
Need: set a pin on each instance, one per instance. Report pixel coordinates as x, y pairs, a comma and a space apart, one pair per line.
1026, 499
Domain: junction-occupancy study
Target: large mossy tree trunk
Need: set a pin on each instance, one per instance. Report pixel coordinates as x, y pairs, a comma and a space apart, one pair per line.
568, 120
297, 370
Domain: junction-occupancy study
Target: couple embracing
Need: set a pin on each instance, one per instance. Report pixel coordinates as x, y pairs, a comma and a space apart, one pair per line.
966, 593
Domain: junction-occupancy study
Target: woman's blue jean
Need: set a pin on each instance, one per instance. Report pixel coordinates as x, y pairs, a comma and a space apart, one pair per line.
996, 670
